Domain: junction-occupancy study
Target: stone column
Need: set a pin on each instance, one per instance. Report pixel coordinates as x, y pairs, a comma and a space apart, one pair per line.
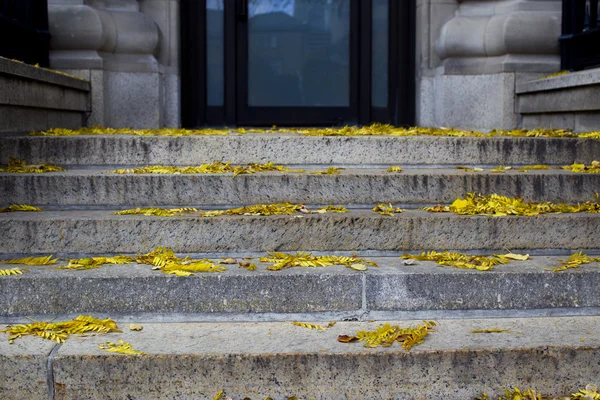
485, 50
121, 50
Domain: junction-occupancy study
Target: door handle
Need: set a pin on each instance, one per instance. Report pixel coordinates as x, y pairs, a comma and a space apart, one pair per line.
243, 9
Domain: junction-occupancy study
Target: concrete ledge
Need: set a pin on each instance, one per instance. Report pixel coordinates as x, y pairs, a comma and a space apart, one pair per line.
281, 360
569, 101
34, 98
295, 149
95, 187
424, 286
102, 232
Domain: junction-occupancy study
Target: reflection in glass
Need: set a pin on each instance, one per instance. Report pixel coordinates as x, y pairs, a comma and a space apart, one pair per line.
379, 57
299, 53
215, 55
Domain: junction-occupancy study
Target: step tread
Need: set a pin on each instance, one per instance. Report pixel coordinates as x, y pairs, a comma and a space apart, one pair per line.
423, 287
279, 359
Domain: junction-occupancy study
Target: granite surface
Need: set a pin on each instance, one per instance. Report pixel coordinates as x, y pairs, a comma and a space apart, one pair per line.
422, 286
278, 359
369, 186
101, 231
295, 149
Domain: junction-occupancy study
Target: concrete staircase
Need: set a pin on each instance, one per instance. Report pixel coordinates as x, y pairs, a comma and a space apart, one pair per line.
232, 330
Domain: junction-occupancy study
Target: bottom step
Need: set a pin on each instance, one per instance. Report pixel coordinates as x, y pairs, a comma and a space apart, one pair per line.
256, 360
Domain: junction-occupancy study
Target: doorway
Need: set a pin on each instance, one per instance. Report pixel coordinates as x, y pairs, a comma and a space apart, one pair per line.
296, 62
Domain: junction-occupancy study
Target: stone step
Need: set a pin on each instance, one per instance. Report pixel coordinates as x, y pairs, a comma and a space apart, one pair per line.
254, 360
391, 290
85, 231
358, 186
296, 149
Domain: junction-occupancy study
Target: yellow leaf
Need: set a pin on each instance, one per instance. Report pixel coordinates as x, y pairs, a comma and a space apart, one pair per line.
358, 267
394, 169
8, 272
533, 168
134, 327
312, 326
518, 257
122, 348
330, 171
213, 168
459, 204
19, 208
385, 335
333, 209
386, 209
260, 209
160, 212
45, 260
491, 330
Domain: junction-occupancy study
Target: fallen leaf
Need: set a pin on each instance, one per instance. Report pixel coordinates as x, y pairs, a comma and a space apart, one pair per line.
134, 327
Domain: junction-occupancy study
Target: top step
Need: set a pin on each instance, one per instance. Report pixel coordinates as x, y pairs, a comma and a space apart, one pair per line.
290, 148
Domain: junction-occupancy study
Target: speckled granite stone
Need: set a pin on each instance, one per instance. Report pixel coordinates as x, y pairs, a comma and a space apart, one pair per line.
195, 361
138, 289
353, 186
294, 149
101, 232
23, 368
423, 286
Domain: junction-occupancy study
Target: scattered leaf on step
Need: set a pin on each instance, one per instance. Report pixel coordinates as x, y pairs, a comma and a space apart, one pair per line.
159, 212
19, 208
260, 209
386, 209
46, 260
409, 262
394, 169
17, 166
501, 169
469, 169
227, 261
121, 347
518, 257
333, 209
575, 260
329, 171
312, 326
491, 330
303, 259
385, 335
9, 272
358, 267
533, 168
135, 327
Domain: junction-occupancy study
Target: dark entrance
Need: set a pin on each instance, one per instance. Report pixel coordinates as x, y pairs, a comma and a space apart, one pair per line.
297, 62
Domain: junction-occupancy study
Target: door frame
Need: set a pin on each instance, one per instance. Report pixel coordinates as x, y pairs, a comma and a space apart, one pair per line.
401, 75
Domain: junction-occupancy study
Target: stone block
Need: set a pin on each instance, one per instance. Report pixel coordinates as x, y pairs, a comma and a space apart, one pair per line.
133, 99
102, 232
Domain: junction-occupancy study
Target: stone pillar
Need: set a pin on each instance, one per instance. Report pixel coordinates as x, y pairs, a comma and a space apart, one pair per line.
485, 50
125, 53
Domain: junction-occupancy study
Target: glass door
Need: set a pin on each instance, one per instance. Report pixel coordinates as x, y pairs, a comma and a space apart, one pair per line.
297, 62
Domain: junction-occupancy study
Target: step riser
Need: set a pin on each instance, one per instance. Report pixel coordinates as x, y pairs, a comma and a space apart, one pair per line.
134, 289
157, 190
98, 232
298, 150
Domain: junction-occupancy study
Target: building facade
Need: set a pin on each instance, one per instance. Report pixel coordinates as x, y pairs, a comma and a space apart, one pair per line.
463, 63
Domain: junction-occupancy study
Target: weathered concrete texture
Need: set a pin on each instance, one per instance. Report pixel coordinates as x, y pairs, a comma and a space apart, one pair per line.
23, 368
100, 231
34, 98
139, 289
352, 186
295, 149
279, 360
423, 286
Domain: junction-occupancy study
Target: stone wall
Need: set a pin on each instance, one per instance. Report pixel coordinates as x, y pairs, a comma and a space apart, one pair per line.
128, 49
472, 54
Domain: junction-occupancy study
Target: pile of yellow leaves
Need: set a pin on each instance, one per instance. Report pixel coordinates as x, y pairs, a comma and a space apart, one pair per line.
83, 264
467, 261
575, 260
158, 212
594, 168
19, 208
302, 259
333, 209
60, 331
376, 129
589, 393
498, 206
213, 168
386, 209
17, 166
387, 334
537, 167
260, 209
314, 326
165, 260
122, 348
